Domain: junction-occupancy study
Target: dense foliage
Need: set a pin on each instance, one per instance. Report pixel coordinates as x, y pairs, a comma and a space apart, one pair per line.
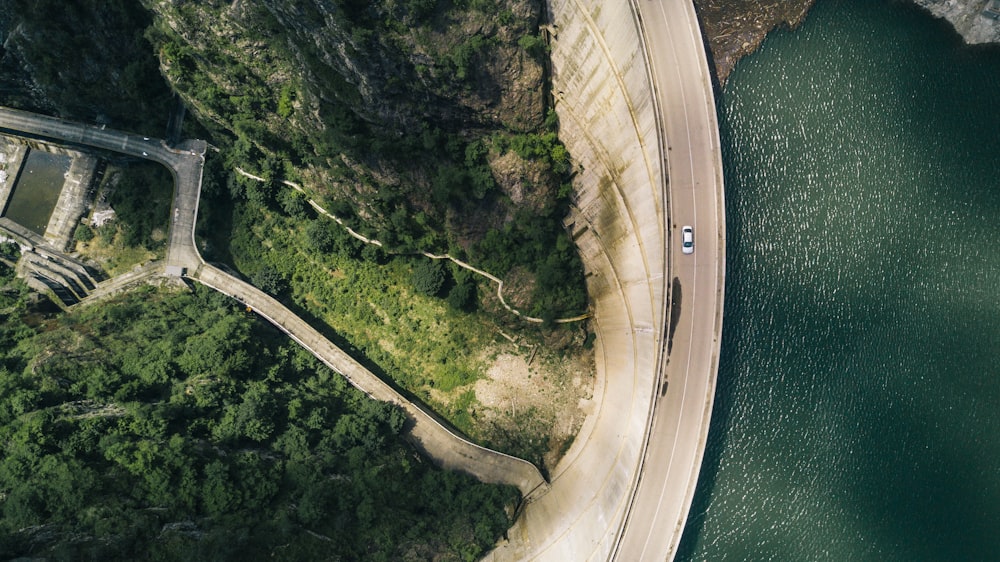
178, 427
141, 199
86, 59
423, 124
434, 347
428, 277
398, 112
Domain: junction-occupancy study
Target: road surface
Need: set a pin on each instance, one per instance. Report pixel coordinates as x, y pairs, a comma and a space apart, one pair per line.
680, 421
185, 162
446, 448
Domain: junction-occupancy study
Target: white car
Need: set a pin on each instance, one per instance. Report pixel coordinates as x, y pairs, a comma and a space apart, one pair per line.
687, 240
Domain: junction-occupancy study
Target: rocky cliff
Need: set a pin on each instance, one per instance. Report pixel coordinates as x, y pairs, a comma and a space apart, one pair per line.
86, 59
977, 21
375, 102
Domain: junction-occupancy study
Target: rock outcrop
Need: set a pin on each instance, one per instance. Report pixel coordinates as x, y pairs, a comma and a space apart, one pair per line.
977, 21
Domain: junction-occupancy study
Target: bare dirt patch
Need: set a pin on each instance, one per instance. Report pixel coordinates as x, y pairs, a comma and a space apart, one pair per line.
530, 399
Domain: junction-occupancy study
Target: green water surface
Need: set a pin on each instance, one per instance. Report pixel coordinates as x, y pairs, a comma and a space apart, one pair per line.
37, 190
858, 408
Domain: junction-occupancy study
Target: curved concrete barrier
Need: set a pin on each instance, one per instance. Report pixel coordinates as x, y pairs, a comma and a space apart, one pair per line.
609, 123
624, 489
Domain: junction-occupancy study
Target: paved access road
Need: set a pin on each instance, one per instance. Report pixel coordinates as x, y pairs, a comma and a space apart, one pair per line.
184, 161
446, 448
681, 417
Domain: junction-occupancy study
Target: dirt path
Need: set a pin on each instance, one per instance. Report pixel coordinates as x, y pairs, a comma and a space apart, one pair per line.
456, 261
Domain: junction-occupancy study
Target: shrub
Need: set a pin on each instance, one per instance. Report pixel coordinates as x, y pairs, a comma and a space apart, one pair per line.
428, 277
534, 45
293, 203
10, 250
270, 281
462, 295
83, 233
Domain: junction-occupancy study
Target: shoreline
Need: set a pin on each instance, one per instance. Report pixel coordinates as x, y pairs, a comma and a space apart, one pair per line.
736, 28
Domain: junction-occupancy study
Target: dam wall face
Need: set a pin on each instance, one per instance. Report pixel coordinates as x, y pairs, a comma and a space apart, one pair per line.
609, 123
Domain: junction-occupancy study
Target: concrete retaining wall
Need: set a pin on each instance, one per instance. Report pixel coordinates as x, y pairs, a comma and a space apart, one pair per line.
11, 164
608, 121
73, 201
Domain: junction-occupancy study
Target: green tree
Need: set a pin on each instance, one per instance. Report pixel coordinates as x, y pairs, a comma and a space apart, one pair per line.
293, 203
270, 280
462, 295
83, 233
534, 45
428, 277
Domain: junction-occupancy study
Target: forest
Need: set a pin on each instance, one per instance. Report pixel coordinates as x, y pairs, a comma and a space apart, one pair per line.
174, 425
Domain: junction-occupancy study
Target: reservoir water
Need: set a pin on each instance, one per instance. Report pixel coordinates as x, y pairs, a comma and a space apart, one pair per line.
857, 416
37, 190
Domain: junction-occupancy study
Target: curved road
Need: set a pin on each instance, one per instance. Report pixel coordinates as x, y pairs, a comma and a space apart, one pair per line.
447, 449
679, 426
186, 163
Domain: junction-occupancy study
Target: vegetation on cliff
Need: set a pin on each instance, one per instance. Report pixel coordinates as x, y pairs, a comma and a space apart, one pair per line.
432, 328
176, 426
86, 59
421, 124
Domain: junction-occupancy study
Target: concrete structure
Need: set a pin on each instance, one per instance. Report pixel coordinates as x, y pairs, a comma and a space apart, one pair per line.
72, 202
47, 269
631, 472
623, 489
992, 9
681, 415
609, 123
11, 161
73, 195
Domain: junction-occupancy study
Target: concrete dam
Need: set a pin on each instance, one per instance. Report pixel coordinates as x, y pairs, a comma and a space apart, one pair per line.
635, 103
633, 96
608, 122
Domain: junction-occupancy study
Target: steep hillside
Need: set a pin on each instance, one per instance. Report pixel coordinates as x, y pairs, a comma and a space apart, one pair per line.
421, 123
86, 59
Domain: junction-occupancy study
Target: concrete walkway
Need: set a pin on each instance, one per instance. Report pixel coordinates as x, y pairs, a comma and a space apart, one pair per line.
430, 436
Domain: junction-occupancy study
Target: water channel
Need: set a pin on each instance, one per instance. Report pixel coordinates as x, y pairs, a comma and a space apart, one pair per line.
37, 190
858, 410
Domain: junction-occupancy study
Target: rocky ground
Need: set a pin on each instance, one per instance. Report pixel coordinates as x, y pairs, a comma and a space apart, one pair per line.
977, 21
736, 28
